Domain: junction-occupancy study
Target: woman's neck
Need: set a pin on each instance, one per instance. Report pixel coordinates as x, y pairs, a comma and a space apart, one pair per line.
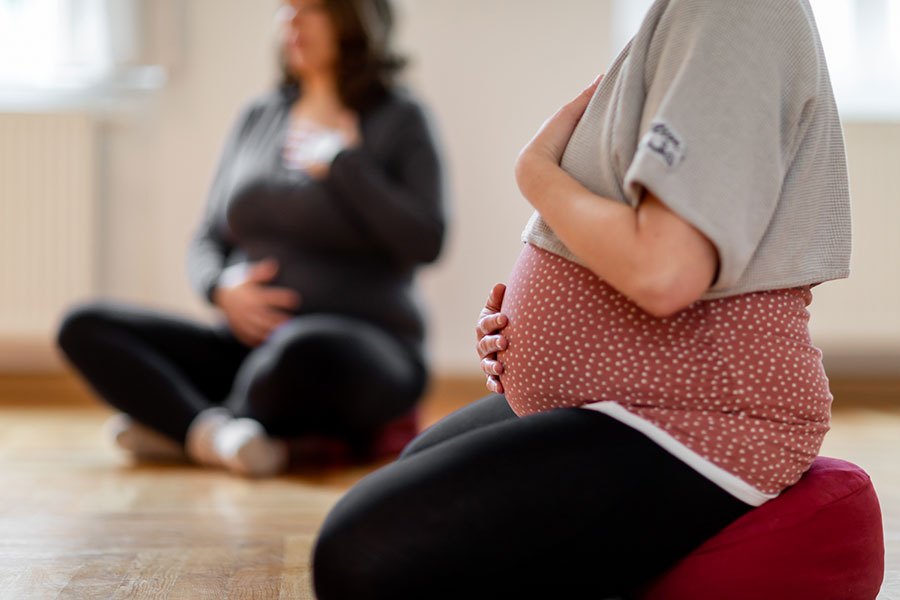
320, 99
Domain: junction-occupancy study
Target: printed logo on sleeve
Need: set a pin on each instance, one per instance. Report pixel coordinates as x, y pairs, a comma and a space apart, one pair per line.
664, 143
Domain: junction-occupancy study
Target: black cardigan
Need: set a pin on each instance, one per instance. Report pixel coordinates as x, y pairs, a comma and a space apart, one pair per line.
349, 244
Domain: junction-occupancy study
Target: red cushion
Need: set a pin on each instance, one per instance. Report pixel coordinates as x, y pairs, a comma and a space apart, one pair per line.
336, 450
393, 437
821, 539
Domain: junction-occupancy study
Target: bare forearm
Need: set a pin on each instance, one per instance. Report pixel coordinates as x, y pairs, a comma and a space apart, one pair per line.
649, 254
658, 260
600, 232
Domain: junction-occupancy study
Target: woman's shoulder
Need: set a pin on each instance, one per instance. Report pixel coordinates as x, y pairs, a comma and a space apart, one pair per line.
779, 35
259, 111
740, 13
401, 113
398, 103
268, 102
712, 6
398, 122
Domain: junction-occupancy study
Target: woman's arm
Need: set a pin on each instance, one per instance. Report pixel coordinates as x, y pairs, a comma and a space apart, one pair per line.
206, 259
401, 212
651, 255
208, 249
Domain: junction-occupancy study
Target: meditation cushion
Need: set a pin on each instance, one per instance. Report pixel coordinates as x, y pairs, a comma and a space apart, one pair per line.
394, 436
337, 450
820, 539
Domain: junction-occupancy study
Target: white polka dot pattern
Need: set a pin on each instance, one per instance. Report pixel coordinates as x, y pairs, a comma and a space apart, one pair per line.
736, 380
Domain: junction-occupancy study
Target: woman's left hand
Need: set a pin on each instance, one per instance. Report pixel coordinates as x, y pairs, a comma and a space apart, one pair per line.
546, 148
491, 340
348, 127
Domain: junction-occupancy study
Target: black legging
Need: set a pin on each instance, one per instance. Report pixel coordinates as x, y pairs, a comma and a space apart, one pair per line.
319, 372
568, 503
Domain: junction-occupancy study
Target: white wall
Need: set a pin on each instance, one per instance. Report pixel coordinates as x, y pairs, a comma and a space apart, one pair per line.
856, 321
491, 71
160, 156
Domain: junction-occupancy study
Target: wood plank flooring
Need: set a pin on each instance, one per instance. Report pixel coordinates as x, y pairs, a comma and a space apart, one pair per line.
78, 521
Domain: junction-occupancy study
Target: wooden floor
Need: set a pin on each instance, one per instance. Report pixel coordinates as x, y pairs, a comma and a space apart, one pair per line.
77, 520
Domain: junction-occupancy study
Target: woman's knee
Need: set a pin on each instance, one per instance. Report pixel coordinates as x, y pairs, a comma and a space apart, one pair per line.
312, 335
300, 352
357, 379
355, 557
340, 351
80, 324
487, 411
339, 565
334, 562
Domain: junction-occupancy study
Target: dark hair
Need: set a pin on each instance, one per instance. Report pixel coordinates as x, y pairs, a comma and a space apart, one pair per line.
366, 62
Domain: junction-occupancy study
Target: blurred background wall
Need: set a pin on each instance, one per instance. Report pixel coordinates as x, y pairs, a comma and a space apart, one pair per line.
490, 72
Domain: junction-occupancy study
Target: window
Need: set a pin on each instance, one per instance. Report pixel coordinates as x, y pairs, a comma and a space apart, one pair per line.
67, 49
862, 48
627, 16
863, 55
56, 42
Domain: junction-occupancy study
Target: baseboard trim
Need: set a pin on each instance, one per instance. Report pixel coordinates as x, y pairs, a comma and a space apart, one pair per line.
862, 362
65, 388
870, 392
29, 355
44, 389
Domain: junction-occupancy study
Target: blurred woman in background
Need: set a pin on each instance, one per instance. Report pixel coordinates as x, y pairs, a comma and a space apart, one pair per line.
328, 196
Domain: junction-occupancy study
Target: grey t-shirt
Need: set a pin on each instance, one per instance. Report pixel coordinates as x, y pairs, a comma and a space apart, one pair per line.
724, 110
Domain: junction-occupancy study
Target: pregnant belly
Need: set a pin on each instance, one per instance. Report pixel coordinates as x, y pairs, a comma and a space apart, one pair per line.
348, 285
555, 339
735, 380
574, 339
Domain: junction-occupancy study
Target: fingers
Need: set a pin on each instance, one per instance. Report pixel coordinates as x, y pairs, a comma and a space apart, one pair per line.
554, 135
318, 170
495, 298
348, 124
489, 345
255, 323
584, 98
270, 320
572, 112
593, 87
283, 298
489, 324
491, 320
259, 324
263, 271
491, 367
248, 335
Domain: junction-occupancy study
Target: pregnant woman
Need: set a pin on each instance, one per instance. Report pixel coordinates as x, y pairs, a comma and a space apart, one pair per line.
327, 199
651, 358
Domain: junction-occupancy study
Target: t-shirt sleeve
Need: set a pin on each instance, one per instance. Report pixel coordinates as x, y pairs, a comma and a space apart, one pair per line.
728, 85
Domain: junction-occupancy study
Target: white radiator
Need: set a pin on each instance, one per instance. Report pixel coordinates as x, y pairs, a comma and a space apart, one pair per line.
47, 229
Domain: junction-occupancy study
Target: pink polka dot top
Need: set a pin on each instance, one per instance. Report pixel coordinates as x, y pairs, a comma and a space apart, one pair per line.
732, 386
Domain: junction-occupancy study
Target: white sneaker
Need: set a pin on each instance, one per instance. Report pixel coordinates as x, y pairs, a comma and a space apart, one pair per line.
141, 442
199, 444
244, 448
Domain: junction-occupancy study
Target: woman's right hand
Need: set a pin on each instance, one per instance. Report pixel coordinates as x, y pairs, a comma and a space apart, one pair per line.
490, 340
253, 309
